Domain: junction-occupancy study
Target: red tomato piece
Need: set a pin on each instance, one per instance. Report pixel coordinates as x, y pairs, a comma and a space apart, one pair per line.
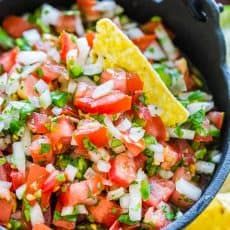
5, 171
116, 226
123, 170
51, 183
144, 41
182, 172
39, 123
66, 23
105, 212
140, 161
15, 25
134, 83
87, 8
61, 134
161, 190
171, 157
41, 227
90, 38
217, 118
66, 44
8, 59
180, 200
94, 131
17, 179
95, 184
119, 77
156, 128
190, 83
6, 208
45, 199
135, 148
150, 27
205, 139
41, 150
51, 72
78, 193
36, 174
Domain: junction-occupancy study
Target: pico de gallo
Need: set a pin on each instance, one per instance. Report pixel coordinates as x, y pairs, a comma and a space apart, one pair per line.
80, 146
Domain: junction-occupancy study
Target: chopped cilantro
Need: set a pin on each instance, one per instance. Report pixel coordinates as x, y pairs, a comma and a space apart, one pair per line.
15, 225
164, 74
40, 72
89, 145
60, 177
168, 213
115, 143
22, 44
214, 132
201, 153
100, 118
149, 140
6, 42
57, 215
81, 164
26, 209
2, 160
59, 98
124, 219
75, 70
196, 96
178, 131
150, 168
142, 98
137, 122
151, 49
45, 148
196, 121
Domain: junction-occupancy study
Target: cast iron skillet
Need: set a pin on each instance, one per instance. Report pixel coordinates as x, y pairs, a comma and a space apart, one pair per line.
195, 23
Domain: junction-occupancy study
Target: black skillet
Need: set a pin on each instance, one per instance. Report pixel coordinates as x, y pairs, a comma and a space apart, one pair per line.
195, 23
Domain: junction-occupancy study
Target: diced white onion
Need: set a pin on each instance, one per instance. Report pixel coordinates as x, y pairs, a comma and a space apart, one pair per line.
5, 193
45, 99
89, 173
119, 149
124, 201
54, 54
72, 85
50, 168
124, 125
158, 150
105, 6
3, 82
71, 172
103, 89
86, 80
32, 36
36, 215
5, 184
50, 15
205, 167
72, 55
196, 106
116, 194
20, 191
135, 204
79, 28
188, 189
29, 69
35, 101
184, 96
94, 156
41, 86
31, 57
134, 33
140, 175
26, 140
67, 210
82, 209
185, 133
103, 166
83, 49
104, 154
19, 157
93, 69
1, 100
169, 48
136, 134
166, 174
154, 110
56, 111
215, 156
154, 52
112, 129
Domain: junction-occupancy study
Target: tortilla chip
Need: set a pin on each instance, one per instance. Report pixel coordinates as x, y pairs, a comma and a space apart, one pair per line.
118, 51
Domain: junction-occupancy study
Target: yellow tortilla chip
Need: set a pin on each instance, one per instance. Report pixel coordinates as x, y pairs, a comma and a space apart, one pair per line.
120, 52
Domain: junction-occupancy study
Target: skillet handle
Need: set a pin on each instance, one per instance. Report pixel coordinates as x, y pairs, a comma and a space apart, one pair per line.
196, 8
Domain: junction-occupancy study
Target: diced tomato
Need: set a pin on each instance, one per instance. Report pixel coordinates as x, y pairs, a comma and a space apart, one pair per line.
156, 128
95, 184
116, 102
69, 111
5, 171
6, 208
161, 190
51, 183
8, 59
94, 131
62, 223
41, 227
217, 118
66, 44
15, 25
190, 83
144, 41
140, 161
105, 212
116, 226
51, 72
77, 193
87, 8
180, 200
26, 89
41, 150
150, 27
17, 179
205, 139
123, 170
134, 83
135, 148
171, 157
45, 199
66, 23
182, 172
35, 178
39, 123
156, 218
90, 38
61, 134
